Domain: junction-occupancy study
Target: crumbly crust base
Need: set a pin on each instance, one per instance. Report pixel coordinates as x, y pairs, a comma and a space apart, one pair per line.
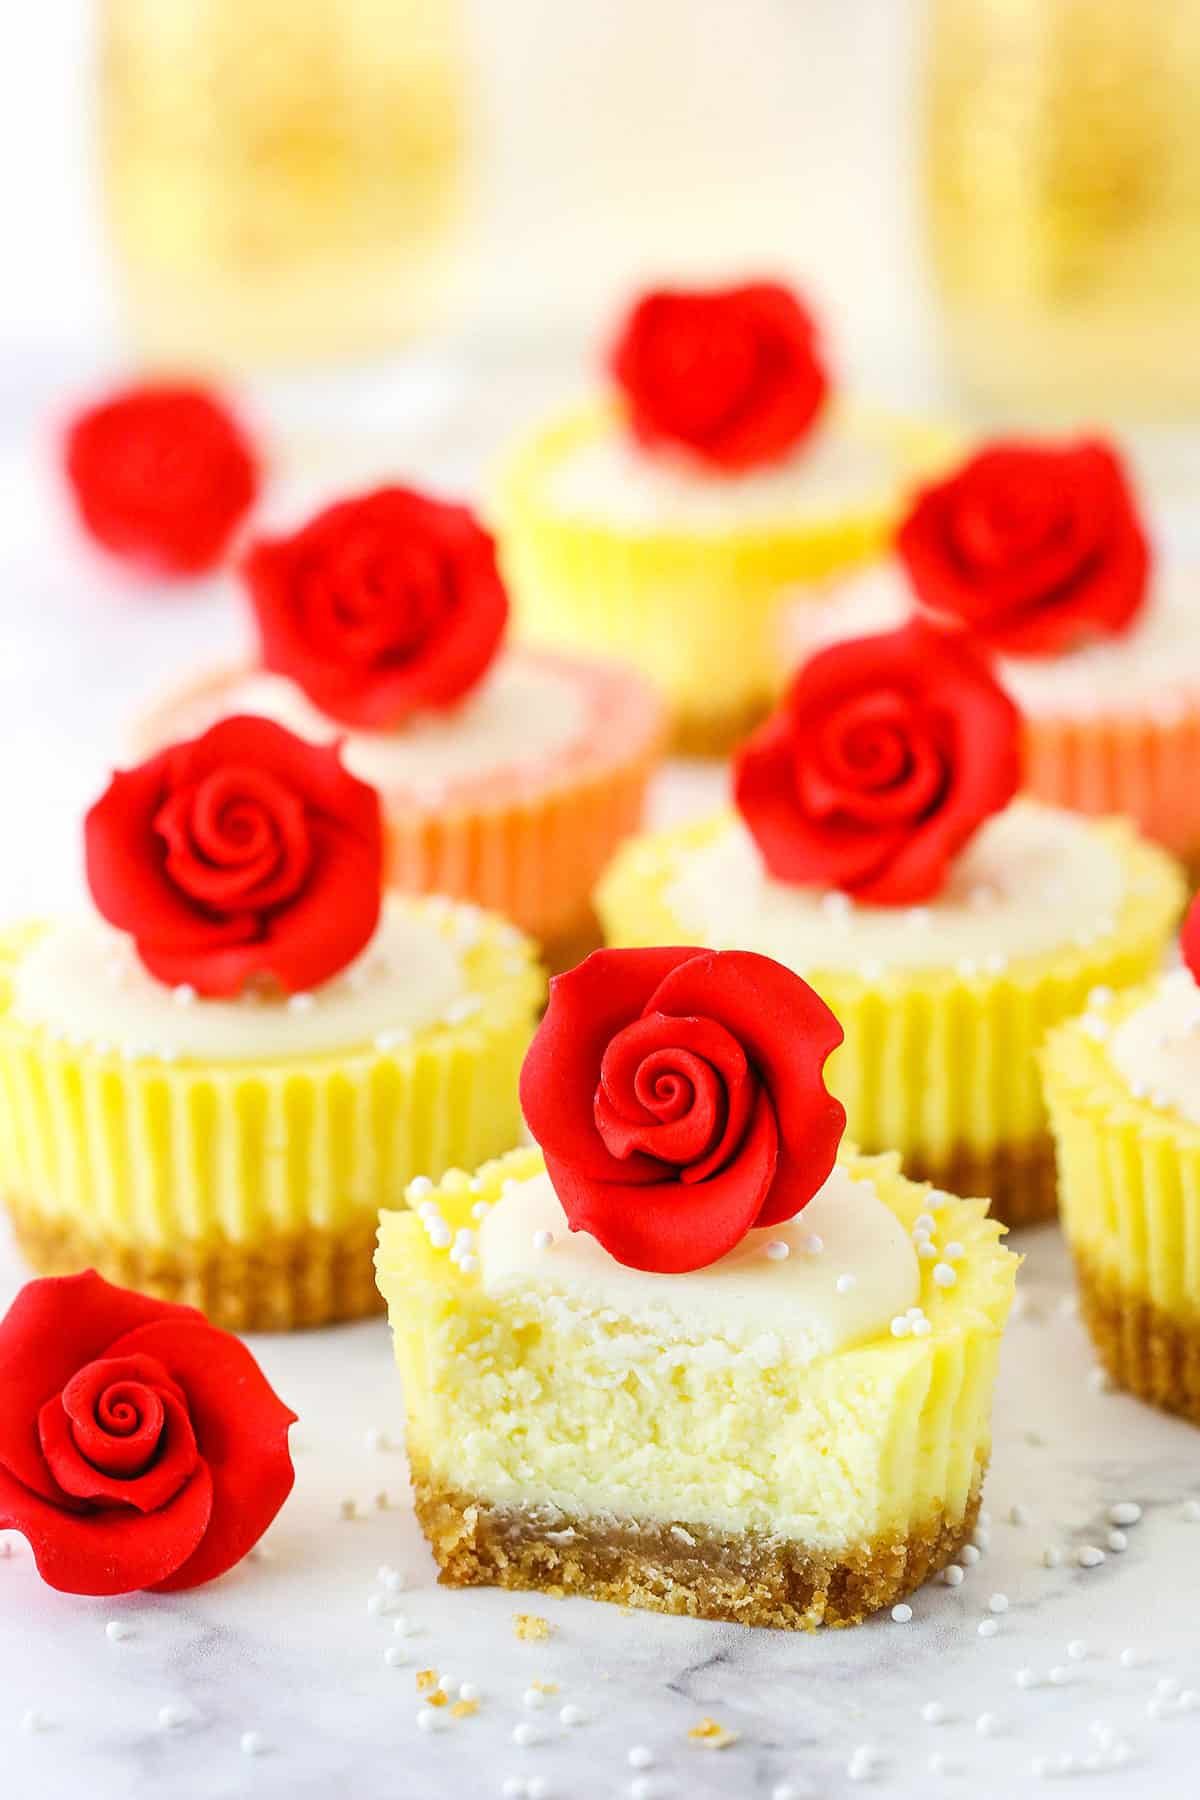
1019, 1180
282, 1283
1148, 1352
748, 1578
711, 733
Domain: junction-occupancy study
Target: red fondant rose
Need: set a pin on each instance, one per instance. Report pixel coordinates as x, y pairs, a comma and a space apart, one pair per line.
162, 475
886, 755
734, 376
139, 1446
1033, 549
243, 853
679, 1100
380, 606
1189, 939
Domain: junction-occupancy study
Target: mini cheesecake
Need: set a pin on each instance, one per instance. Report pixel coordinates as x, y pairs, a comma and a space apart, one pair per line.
1123, 1088
234, 1154
514, 800
795, 1435
664, 520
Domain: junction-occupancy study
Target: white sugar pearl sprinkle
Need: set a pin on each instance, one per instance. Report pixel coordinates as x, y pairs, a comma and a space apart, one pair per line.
988, 1627
901, 1326
429, 1719
845, 1284
812, 1244
34, 1721
1051, 1557
902, 1613
988, 1724
944, 1275
1131, 1659
534, 1698
640, 1757
1077, 1650
970, 1554
778, 1251
1089, 1556
542, 1240
934, 1713
998, 1603
526, 1734
172, 1717
252, 1743
570, 1715
116, 1630
1117, 1541
953, 1575
395, 1657
1059, 1675
1125, 1512
1026, 1678
1191, 1511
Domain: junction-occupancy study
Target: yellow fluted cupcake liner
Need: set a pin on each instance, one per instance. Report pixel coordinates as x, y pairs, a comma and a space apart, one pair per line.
1129, 1188
253, 1187
695, 609
918, 1447
939, 1064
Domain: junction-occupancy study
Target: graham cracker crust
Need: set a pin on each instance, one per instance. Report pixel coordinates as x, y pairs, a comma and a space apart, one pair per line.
711, 734
1148, 1352
1019, 1180
284, 1283
747, 1578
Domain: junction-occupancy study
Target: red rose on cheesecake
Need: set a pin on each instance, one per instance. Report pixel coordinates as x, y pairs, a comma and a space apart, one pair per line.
1032, 548
732, 375
884, 758
679, 1100
382, 605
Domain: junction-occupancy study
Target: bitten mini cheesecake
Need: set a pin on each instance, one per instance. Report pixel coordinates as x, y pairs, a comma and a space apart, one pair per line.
878, 850
211, 1083
664, 521
508, 778
1123, 1087
1040, 553
678, 1356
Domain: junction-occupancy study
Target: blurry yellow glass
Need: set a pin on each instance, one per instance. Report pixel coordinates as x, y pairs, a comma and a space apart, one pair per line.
1062, 182
284, 177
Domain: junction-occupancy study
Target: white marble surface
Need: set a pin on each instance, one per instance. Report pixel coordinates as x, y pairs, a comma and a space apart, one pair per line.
286, 1646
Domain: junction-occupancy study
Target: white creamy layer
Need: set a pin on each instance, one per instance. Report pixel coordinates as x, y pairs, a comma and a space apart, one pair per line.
613, 480
521, 714
1032, 879
1157, 1048
82, 980
1155, 665
770, 1306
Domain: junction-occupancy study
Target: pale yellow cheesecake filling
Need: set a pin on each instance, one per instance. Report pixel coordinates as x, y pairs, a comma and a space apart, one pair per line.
550, 1377
1156, 660
1031, 880
521, 714
82, 981
612, 480
1156, 1047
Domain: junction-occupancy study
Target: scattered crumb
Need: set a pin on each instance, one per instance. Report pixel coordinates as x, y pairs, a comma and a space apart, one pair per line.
463, 1709
427, 1680
439, 1698
531, 1628
544, 1687
712, 1736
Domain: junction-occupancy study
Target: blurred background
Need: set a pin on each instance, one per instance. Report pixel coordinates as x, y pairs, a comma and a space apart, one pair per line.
396, 228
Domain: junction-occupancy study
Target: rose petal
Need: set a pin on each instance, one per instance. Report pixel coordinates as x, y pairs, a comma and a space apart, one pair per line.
111, 1551
54, 1327
671, 1227
787, 1032
561, 1072
698, 1138
147, 1489
241, 1429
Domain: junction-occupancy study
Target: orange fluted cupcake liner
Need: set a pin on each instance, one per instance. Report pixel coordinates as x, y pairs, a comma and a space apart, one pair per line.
1147, 767
529, 843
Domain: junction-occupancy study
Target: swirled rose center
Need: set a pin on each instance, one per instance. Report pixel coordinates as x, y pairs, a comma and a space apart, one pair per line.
702, 365
875, 760
376, 598
117, 1430
119, 1434
678, 1090
237, 840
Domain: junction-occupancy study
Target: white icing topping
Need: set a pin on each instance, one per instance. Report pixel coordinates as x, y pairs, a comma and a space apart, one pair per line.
612, 479
521, 714
760, 1304
82, 980
1032, 879
1157, 1048
1155, 664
